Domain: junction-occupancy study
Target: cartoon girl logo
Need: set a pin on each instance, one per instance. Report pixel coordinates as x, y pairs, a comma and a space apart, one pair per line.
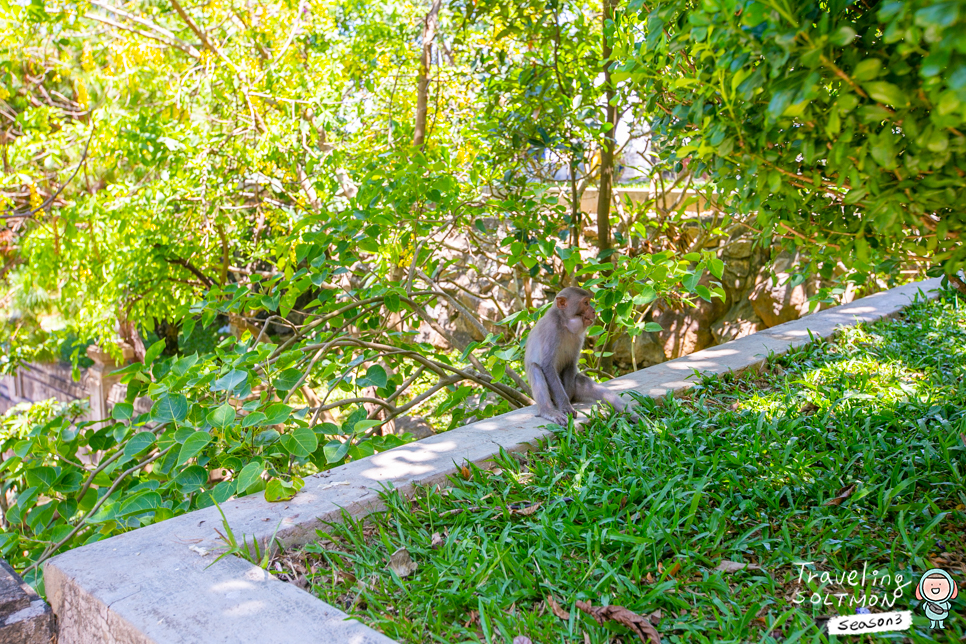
937, 590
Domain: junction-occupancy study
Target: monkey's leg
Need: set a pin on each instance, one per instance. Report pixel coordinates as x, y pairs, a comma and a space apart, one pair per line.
561, 396
541, 393
588, 391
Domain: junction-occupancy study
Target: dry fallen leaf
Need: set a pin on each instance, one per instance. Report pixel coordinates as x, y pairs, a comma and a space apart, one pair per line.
474, 618
639, 625
437, 540
649, 578
402, 563
201, 551
556, 609
522, 639
465, 473
525, 510
675, 569
808, 408
333, 484
735, 566
841, 495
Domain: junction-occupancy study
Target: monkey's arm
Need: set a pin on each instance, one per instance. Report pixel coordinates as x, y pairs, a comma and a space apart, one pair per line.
546, 394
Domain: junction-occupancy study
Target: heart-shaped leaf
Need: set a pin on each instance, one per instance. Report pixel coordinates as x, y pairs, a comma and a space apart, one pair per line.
301, 442
138, 443
254, 418
376, 376
191, 479
193, 446
230, 381
170, 408
279, 490
335, 450
222, 417
287, 379
249, 475
277, 414
122, 411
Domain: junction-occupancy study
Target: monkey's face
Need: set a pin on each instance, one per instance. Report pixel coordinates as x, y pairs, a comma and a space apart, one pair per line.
586, 312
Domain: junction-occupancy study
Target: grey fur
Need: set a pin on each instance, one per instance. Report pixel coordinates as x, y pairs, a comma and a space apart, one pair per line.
553, 350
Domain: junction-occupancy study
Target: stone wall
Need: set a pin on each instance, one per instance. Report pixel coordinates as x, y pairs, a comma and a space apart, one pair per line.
36, 382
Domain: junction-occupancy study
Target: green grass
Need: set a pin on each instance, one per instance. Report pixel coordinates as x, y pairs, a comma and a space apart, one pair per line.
640, 515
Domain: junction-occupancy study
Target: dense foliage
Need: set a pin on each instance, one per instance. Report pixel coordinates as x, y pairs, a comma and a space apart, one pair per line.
840, 124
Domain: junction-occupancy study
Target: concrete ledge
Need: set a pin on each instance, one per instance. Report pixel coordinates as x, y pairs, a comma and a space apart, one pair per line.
153, 585
24, 617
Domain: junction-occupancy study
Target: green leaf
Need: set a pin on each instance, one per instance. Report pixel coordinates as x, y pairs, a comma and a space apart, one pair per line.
887, 93
193, 446
122, 411
170, 408
335, 450
42, 477
267, 437
287, 379
691, 281
153, 352
249, 476
222, 417
717, 267
363, 425
867, 69
277, 414
254, 418
279, 490
391, 300
140, 503
653, 327
230, 381
191, 479
843, 36
138, 443
646, 296
375, 376
301, 442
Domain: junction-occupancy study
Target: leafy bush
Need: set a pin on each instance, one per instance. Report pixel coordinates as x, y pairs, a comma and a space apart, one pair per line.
71, 482
839, 125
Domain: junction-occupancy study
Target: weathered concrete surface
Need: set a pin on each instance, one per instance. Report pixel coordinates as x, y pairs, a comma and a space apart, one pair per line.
24, 617
152, 585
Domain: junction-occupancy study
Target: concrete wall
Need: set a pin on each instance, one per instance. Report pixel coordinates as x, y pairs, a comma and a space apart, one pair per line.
37, 382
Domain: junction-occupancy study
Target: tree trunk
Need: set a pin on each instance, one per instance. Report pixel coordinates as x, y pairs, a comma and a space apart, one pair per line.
606, 193
575, 213
422, 83
605, 196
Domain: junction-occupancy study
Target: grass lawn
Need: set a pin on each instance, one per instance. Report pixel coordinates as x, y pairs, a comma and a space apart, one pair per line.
850, 455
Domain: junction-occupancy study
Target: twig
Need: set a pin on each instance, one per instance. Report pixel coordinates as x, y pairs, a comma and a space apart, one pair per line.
51, 198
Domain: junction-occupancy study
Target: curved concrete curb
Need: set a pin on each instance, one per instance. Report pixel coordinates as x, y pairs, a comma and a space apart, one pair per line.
152, 585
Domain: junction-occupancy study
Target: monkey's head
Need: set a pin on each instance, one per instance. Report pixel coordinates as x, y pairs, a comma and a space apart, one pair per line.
576, 308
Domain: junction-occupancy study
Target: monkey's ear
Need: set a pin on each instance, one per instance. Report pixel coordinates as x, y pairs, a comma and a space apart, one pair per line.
918, 592
561, 302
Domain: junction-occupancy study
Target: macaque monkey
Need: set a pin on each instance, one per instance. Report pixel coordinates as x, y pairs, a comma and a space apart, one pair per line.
553, 349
